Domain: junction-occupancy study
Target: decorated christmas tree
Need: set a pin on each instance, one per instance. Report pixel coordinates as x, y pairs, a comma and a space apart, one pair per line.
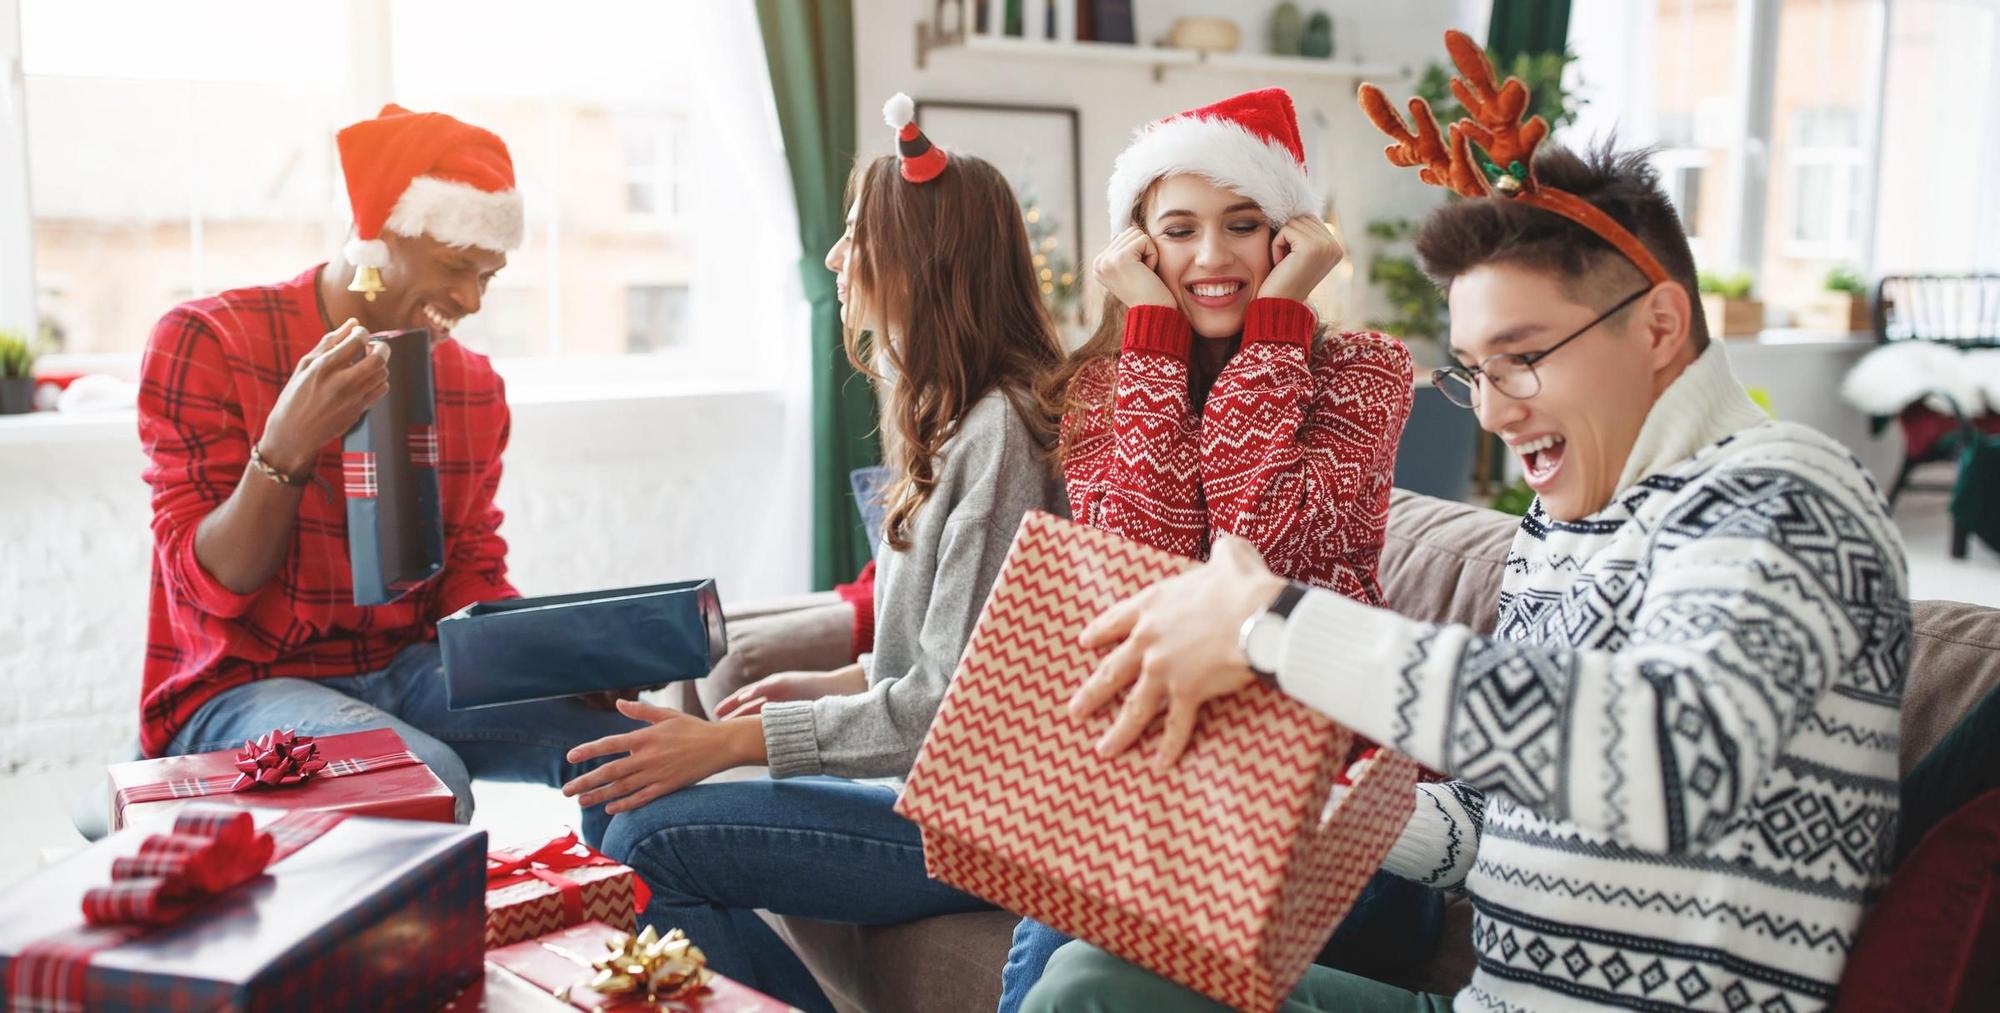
1062, 289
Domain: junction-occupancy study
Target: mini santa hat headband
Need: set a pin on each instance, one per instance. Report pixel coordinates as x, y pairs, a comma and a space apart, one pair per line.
1248, 143
1494, 123
425, 174
921, 160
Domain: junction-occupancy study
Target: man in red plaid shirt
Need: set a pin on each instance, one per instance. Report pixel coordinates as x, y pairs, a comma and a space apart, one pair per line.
243, 401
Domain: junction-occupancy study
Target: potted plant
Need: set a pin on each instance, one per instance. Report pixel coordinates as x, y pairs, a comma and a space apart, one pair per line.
1727, 302
1842, 308
17, 373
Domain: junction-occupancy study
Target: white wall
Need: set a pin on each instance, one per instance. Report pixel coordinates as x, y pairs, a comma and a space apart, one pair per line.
1114, 98
598, 493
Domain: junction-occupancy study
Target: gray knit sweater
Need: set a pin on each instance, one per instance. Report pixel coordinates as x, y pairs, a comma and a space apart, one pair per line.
927, 598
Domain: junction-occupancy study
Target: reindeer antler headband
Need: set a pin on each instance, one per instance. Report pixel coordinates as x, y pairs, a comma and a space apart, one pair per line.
1495, 125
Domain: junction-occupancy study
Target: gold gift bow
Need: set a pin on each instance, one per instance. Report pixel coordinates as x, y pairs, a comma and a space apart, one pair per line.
663, 967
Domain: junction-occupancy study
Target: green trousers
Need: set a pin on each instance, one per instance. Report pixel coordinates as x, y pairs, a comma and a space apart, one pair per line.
1084, 979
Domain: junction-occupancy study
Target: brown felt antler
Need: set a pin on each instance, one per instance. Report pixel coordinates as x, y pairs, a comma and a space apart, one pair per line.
1494, 124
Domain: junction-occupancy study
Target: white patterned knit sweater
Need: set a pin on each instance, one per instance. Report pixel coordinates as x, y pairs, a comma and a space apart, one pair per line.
1684, 729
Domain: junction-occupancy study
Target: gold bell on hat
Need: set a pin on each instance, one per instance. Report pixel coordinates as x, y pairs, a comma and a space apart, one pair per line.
368, 282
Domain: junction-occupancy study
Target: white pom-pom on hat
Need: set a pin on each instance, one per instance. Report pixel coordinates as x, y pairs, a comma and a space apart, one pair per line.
899, 111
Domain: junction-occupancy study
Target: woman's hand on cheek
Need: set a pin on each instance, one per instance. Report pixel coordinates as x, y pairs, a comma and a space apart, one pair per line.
675, 751
1302, 254
1129, 270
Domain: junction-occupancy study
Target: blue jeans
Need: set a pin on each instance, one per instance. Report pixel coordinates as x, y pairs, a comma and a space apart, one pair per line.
516, 742
1393, 925
819, 847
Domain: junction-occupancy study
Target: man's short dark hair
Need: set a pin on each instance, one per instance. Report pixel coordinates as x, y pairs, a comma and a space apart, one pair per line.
1463, 235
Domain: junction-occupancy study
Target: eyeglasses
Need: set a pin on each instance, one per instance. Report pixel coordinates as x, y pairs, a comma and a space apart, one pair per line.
1511, 373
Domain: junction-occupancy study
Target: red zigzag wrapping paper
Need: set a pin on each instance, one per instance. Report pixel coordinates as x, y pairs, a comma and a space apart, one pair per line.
1226, 874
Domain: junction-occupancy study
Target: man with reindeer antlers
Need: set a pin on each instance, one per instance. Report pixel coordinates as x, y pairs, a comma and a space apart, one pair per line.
1677, 756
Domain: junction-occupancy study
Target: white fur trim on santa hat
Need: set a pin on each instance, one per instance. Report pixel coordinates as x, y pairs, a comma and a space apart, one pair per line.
1225, 153
366, 252
459, 214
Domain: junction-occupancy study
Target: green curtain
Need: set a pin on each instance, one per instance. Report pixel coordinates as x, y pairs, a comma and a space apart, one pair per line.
810, 48
1526, 26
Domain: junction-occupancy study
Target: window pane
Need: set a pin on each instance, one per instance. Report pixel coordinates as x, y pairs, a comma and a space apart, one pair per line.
1817, 133
655, 317
1940, 132
177, 155
1693, 59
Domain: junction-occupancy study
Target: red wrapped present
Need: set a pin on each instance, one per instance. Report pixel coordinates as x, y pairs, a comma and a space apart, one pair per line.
359, 773
534, 891
1226, 873
249, 909
596, 967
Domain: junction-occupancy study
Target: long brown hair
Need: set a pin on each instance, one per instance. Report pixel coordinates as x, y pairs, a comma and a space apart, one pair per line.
1105, 342
945, 268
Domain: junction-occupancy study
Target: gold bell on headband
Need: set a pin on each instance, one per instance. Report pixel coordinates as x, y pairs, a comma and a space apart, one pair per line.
368, 282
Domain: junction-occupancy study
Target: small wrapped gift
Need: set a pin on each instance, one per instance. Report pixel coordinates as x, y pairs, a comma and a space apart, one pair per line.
1225, 873
250, 909
500, 652
389, 460
536, 890
368, 773
596, 967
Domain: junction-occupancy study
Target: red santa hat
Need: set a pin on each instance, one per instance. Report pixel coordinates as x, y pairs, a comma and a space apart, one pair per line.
921, 160
1249, 144
427, 174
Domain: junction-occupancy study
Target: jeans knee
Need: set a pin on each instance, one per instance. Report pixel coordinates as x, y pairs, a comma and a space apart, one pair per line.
658, 851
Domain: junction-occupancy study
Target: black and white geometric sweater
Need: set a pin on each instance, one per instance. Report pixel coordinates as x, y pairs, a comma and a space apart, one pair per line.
1684, 729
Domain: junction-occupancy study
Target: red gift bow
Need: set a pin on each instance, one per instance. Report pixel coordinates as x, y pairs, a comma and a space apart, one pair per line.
197, 787
279, 759
208, 853
518, 865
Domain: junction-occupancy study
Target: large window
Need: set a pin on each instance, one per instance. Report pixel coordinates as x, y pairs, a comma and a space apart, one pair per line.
191, 150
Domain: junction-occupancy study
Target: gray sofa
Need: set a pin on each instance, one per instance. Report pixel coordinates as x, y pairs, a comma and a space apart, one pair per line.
1442, 562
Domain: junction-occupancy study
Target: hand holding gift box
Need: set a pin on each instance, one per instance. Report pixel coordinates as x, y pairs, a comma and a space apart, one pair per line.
361, 773
561, 882
1225, 872
249, 909
523, 649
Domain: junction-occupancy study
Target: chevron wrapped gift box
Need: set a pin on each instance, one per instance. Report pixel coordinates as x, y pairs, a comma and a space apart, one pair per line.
1226, 873
535, 890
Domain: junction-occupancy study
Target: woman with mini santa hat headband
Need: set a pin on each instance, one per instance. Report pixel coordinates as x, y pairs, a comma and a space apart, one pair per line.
1211, 401
943, 310
244, 399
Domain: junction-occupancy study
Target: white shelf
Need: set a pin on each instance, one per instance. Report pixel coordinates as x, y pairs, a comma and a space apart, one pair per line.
1160, 60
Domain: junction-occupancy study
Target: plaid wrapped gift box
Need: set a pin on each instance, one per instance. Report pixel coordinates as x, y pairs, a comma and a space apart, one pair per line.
370, 915
395, 516
523, 649
536, 890
368, 773
558, 964
1225, 873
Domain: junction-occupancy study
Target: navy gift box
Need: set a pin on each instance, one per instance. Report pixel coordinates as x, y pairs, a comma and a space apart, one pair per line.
373, 915
523, 649
395, 522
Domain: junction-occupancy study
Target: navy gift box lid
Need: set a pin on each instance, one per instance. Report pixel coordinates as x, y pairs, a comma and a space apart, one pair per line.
389, 461
523, 649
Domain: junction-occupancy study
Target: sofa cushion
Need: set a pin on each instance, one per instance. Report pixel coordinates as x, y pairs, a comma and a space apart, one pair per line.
937, 965
1442, 561
1954, 663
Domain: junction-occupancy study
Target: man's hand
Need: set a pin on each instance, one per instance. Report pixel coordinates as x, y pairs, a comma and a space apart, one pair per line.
333, 385
791, 686
677, 750
1303, 253
1174, 648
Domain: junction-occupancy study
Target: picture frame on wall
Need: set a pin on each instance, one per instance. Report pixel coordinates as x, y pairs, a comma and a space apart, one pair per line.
1039, 149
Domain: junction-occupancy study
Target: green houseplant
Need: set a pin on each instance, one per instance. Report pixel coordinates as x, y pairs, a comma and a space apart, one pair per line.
1842, 307
17, 373
1730, 304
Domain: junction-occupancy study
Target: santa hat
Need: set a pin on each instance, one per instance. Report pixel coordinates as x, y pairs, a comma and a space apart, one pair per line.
426, 174
1249, 144
922, 161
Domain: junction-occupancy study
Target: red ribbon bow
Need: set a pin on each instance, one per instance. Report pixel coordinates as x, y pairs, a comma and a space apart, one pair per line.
282, 757
208, 852
518, 865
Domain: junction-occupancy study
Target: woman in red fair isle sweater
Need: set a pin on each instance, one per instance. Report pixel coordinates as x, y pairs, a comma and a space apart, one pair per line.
1211, 400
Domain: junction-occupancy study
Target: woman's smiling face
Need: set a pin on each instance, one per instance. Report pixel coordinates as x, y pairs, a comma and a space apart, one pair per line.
1215, 250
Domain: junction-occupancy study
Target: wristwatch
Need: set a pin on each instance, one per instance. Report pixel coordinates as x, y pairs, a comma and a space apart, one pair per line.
1262, 638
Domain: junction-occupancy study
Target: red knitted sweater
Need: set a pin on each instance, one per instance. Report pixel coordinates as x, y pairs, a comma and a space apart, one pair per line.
1294, 449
